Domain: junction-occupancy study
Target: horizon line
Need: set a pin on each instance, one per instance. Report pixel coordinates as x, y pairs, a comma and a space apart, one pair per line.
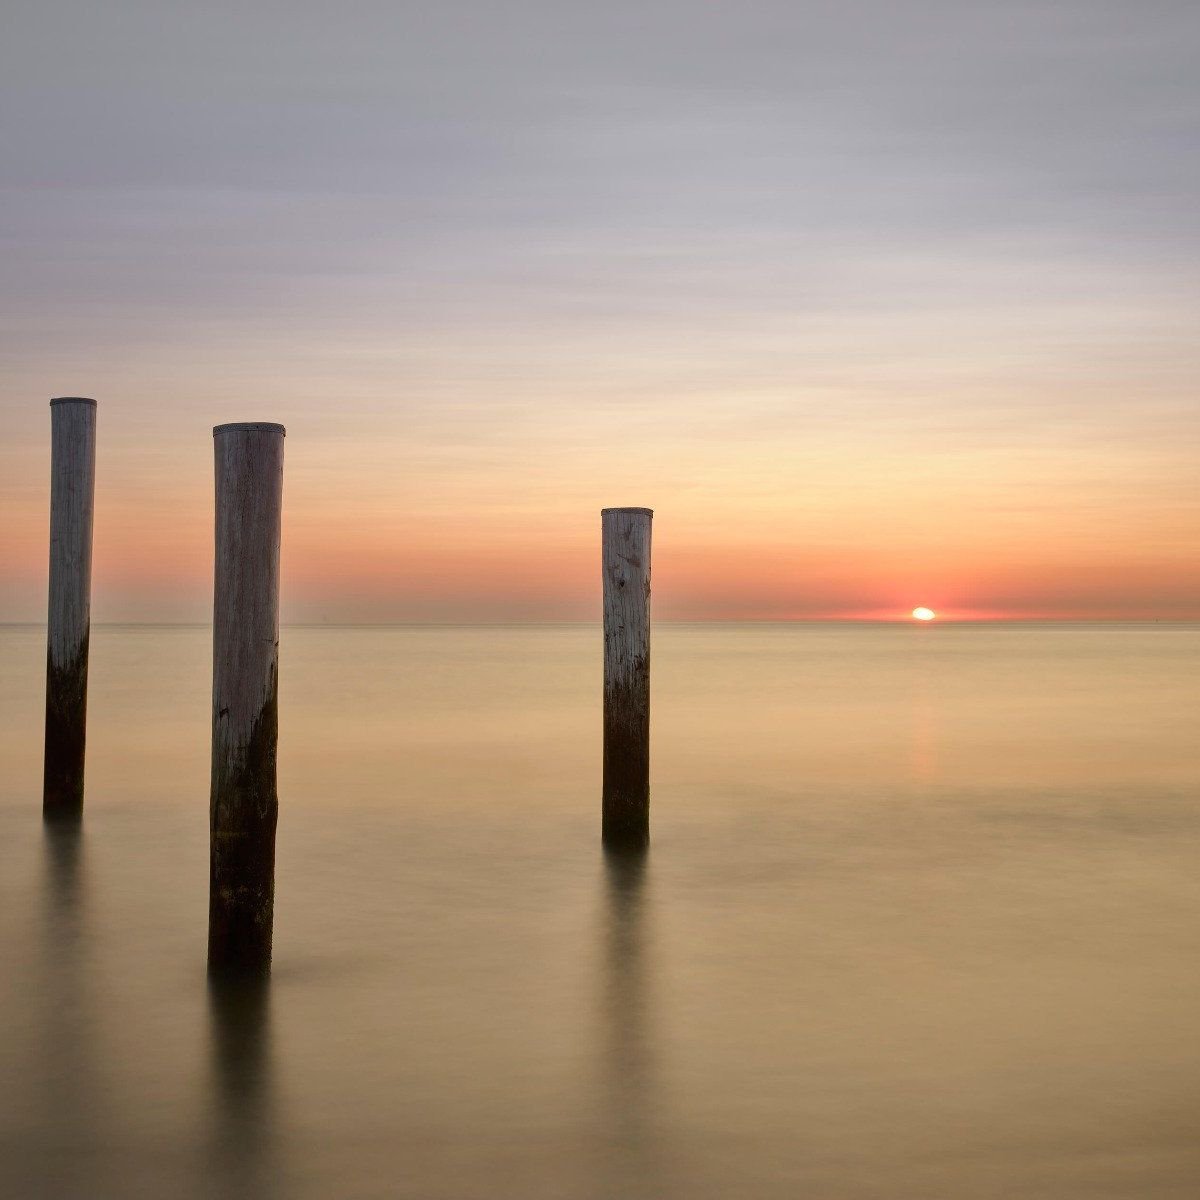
899, 620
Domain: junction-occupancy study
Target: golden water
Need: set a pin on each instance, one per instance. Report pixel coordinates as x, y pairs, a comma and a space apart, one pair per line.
919, 920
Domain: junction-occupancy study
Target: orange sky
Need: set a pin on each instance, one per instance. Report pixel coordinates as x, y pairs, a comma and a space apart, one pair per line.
803, 519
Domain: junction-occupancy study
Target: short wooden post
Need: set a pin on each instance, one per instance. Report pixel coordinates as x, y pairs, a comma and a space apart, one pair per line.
626, 564
244, 803
72, 494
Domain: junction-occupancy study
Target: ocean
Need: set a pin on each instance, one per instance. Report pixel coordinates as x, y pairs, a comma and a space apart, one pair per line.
918, 920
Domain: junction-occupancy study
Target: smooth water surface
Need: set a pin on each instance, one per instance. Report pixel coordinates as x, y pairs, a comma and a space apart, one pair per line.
919, 920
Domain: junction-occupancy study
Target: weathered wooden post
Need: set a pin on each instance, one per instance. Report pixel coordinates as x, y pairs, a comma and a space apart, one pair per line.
244, 804
72, 493
626, 563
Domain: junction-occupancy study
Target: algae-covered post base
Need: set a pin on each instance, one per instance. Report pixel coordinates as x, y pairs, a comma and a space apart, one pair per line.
244, 804
626, 566
72, 492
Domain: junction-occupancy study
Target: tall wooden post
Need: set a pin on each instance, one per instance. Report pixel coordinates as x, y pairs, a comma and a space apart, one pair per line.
69, 618
244, 803
626, 565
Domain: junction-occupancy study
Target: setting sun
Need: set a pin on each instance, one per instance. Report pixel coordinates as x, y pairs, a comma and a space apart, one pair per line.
924, 614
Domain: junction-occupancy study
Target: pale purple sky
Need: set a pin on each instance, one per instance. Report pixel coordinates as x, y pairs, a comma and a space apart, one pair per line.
869, 299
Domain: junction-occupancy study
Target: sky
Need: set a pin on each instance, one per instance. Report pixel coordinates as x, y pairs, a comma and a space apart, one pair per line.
878, 304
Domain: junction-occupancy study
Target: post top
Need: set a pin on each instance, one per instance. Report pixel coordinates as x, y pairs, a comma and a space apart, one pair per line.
262, 426
73, 400
648, 511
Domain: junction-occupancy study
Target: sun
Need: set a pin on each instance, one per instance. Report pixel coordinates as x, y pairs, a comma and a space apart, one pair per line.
923, 614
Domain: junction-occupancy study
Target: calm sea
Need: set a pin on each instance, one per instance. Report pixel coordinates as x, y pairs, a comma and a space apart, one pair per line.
920, 920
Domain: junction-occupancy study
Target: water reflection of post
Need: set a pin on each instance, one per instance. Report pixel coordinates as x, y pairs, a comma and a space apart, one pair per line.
67, 1056
63, 890
626, 1035
239, 1011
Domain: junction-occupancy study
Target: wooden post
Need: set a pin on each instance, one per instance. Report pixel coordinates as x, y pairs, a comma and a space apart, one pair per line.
626, 564
69, 618
244, 804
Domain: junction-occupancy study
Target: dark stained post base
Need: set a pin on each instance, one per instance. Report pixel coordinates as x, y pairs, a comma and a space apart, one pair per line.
244, 804
68, 625
241, 885
66, 737
626, 570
